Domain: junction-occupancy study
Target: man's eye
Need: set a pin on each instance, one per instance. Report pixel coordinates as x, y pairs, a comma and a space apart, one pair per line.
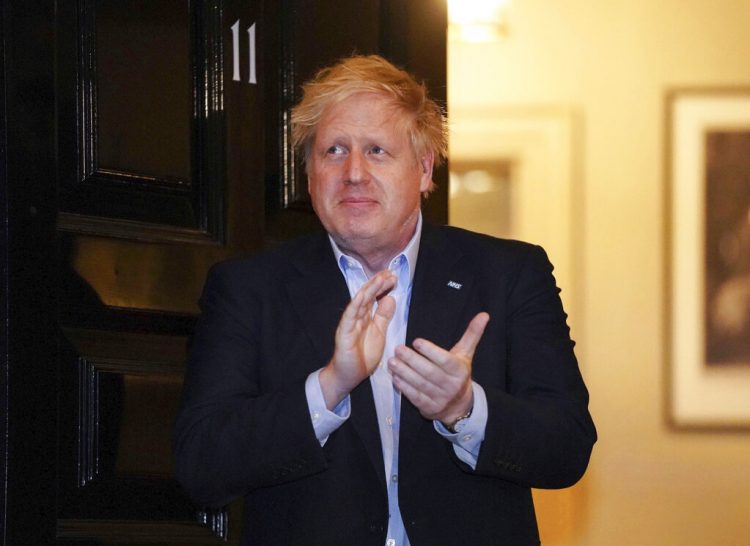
335, 150
377, 150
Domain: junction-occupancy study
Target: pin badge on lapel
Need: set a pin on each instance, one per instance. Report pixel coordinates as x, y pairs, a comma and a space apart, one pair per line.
454, 284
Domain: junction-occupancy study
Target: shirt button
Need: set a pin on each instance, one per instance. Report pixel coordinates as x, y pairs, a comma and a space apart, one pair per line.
466, 438
315, 416
390, 542
394, 478
389, 421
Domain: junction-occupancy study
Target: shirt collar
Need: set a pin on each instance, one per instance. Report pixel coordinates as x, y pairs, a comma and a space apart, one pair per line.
409, 252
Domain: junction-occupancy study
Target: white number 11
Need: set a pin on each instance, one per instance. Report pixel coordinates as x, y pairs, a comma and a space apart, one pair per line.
236, 51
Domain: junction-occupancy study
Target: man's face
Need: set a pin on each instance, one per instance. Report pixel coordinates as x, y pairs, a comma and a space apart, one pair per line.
364, 179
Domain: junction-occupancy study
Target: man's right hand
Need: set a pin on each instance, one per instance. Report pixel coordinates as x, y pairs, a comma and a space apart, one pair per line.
360, 339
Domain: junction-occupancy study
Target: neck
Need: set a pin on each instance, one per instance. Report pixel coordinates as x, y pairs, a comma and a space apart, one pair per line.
375, 257
373, 261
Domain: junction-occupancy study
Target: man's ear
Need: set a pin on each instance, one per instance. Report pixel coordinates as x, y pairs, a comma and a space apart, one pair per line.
426, 163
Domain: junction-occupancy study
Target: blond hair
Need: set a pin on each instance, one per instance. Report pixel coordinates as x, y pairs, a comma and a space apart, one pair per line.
425, 122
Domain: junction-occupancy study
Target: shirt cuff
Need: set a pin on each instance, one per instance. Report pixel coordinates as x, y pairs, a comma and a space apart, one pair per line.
469, 433
324, 421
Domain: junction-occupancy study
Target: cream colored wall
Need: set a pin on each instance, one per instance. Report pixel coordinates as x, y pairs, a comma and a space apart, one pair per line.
611, 62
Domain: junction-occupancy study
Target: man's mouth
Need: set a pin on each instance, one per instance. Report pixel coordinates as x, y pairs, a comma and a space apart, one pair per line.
358, 201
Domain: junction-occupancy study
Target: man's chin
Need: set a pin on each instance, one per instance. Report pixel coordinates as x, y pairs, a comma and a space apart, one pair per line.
359, 236
360, 227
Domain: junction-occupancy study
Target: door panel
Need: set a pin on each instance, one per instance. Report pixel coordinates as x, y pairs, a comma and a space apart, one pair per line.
118, 398
140, 93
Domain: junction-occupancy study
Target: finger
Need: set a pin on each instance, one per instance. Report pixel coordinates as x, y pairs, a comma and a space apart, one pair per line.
421, 400
379, 284
433, 353
469, 341
349, 316
361, 303
442, 364
407, 374
435, 379
384, 312
422, 365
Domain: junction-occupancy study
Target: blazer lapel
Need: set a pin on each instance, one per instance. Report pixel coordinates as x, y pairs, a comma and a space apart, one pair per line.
442, 286
319, 296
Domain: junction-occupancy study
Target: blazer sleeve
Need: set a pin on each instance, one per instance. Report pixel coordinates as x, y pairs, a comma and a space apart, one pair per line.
230, 436
539, 432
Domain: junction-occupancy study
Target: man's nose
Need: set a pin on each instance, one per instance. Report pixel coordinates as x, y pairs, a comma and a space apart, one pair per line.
356, 168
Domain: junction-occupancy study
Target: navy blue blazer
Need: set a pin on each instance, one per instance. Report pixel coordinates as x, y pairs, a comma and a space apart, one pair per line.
267, 322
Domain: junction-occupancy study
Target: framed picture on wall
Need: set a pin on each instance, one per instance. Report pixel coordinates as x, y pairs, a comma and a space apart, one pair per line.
708, 278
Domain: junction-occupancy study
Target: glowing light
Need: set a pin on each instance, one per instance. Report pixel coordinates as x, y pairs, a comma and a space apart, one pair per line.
478, 181
478, 20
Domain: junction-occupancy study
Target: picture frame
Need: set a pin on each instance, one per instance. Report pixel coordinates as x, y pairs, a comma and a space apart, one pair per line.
707, 283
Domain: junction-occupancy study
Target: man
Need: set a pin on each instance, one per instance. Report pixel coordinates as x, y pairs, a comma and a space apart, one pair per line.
389, 382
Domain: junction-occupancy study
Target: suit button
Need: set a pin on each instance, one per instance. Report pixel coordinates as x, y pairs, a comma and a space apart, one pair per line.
375, 528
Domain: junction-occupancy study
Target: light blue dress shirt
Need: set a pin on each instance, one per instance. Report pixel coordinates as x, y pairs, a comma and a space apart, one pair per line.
470, 432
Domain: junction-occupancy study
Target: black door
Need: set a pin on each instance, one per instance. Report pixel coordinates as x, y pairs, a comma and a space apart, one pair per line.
144, 140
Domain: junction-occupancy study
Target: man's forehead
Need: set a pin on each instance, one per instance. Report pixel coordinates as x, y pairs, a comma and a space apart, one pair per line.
376, 104
375, 114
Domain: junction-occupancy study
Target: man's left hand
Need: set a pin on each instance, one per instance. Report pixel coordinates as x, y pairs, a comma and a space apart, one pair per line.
435, 380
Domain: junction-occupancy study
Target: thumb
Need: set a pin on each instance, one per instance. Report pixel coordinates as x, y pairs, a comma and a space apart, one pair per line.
469, 341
